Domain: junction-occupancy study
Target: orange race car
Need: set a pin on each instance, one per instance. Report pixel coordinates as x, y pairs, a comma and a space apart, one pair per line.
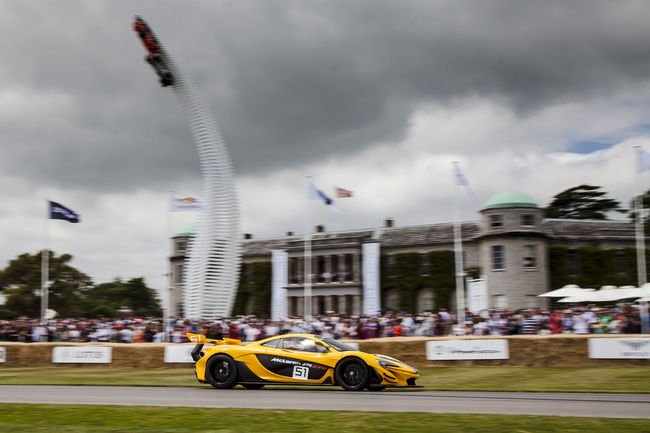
295, 359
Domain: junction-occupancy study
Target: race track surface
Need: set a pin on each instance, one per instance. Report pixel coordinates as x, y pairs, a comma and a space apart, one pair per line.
520, 403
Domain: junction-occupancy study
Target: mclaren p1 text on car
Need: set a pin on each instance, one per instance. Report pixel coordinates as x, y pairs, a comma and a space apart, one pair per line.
296, 359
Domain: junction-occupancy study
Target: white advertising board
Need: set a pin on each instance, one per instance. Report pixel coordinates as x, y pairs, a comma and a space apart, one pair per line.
370, 275
619, 348
455, 350
82, 355
477, 299
3, 354
279, 304
179, 353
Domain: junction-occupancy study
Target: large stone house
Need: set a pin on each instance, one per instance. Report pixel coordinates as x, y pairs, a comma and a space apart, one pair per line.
511, 250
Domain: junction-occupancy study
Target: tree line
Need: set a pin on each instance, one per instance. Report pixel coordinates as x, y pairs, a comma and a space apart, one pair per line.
72, 293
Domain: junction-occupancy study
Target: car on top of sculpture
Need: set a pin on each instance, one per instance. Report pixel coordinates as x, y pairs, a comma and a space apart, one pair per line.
295, 359
156, 57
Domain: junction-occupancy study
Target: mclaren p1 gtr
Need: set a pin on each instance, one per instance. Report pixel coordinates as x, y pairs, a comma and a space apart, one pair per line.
295, 359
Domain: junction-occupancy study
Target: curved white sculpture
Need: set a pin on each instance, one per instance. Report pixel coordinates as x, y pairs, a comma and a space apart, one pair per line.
212, 271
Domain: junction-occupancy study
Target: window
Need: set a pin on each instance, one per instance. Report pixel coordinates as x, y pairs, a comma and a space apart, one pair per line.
498, 257
500, 301
179, 271
530, 256
273, 343
573, 263
321, 276
423, 264
528, 219
496, 221
620, 261
389, 261
348, 276
301, 344
335, 269
181, 246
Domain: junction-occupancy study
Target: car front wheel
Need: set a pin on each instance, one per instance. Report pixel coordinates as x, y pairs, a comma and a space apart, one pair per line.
221, 372
352, 374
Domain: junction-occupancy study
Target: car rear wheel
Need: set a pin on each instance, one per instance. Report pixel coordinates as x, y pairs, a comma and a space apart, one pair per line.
253, 385
221, 372
352, 374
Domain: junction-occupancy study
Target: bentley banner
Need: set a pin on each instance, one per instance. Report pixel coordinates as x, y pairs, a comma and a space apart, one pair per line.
619, 348
280, 273
455, 350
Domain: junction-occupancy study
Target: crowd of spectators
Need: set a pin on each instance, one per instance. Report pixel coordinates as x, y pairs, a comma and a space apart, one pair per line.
621, 319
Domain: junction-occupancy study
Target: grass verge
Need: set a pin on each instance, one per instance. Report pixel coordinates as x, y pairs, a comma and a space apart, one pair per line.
18, 418
547, 379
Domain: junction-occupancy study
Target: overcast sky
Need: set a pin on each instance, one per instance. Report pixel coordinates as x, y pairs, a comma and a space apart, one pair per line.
378, 97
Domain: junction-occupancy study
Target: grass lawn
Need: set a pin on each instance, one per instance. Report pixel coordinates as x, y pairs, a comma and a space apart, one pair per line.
551, 379
17, 418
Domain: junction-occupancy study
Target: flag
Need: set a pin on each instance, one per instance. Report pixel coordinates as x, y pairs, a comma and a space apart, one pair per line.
342, 192
317, 194
60, 212
461, 180
179, 204
644, 160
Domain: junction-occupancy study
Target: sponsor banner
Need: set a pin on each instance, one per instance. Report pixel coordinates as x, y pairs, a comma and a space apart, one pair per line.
179, 353
82, 355
467, 349
619, 348
3, 354
477, 299
370, 276
280, 279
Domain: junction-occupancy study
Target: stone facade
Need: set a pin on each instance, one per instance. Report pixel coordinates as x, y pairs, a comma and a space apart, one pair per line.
509, 246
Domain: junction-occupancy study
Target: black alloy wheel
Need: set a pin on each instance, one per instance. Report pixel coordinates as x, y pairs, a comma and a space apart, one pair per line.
221, 372
352, 374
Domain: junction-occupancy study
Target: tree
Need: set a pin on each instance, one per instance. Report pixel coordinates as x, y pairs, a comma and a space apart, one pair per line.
582, 202
107, 298
21, 283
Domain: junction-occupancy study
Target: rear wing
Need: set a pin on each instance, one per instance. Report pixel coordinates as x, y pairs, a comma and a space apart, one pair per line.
201, 339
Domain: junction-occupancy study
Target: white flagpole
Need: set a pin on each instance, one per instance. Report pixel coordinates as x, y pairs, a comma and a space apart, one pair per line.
307, 257
458, 262
640, 245
45, 266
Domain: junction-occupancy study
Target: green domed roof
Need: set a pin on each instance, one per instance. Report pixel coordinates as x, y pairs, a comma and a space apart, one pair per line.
510, 199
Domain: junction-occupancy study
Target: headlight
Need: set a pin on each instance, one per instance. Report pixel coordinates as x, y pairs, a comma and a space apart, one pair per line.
387, 364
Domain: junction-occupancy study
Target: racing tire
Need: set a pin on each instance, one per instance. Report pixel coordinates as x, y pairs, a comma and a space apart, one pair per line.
352, 374
253, 385
221, 372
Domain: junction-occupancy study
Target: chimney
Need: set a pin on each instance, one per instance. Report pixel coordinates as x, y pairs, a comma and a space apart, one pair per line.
388, 223
320, 228
248, 236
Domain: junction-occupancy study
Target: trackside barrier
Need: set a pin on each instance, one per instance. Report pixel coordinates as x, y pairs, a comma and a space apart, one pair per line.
520, 350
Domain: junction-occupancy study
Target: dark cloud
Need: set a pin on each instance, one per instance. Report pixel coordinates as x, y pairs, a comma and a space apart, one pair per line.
289, 81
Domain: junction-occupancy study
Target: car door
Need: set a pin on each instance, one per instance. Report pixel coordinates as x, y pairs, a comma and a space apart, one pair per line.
297, 359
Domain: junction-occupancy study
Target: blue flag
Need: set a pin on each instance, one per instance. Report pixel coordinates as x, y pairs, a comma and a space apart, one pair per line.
317, 194
60, 212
